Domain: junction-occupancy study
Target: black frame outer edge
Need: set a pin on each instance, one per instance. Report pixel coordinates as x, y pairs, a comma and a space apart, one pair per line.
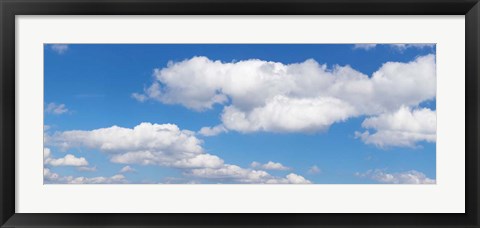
10, 8
472, 107
7, 120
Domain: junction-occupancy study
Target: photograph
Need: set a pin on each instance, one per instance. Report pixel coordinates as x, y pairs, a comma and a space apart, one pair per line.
346, 113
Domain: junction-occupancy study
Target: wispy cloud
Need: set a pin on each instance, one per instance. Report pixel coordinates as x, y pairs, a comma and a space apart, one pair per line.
51, 177
56, 109
399, 47
364, 46
314, 170
269, 166
212, 131
59, 48
87, 169
139, 97
408, 177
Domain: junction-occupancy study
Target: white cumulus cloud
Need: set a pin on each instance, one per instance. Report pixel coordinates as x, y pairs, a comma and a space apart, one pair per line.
283, 114
145, 144
67, 160
307, 97
127, 169
403, 128
269, 166
164, 145
241, 175
408, 177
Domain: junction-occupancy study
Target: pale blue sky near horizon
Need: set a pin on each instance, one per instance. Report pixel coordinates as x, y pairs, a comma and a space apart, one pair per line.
97, 86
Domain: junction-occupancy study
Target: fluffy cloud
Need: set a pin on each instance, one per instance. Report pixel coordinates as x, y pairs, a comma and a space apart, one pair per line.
127, 169
59, 48
403, 128
49, 176
143, 137
408, 177
56, 109
145, 144
164, 145
302, 97
237, 174
212, 131
283, 114
269, 166
54, 178
68, 160
169, 159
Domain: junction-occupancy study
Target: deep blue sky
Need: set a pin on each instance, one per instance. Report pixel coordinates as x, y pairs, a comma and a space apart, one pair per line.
96, 81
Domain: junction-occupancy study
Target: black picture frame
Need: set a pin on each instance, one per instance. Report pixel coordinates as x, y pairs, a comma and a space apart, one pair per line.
10, 8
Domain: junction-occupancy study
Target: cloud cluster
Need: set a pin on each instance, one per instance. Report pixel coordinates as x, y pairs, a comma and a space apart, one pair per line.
164, 145
145, 144
67, 160
408, 177
301, 97
52, 177
405, 128
237, 174
56, 109
269, 166
399, 47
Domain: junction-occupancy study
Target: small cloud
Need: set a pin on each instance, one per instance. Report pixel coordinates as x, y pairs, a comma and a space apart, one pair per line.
87, 169
314, 170
56, 109
364, 46
127, 169
402, 128
402, 47
212, 131
59, 48
398, 47
68, 160
408, 177
269, 166
139, 97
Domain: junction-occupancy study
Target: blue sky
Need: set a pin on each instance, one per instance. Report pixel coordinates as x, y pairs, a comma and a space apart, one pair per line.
302, 112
